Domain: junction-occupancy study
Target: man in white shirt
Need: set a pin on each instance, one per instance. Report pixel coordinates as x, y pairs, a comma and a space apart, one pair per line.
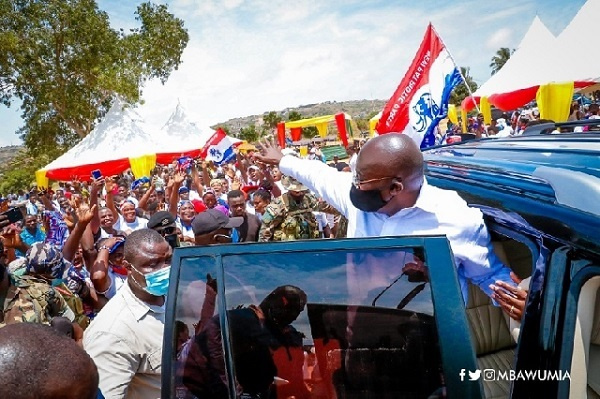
125, 339
389, 196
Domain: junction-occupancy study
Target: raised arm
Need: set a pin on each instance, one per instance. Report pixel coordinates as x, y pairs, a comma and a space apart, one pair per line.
110, 201
84, 215
94, 191
144, 200
328, 183
174, 196
196, 181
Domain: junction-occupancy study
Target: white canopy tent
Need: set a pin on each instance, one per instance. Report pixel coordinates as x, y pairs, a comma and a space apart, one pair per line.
526, 66
123, 137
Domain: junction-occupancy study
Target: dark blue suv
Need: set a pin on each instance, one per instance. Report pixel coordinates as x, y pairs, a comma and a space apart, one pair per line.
368, 332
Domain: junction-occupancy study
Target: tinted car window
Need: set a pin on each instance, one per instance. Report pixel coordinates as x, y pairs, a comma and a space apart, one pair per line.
314, 323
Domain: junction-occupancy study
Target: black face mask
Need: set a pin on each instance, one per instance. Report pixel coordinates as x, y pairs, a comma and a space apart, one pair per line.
367, 200
173, 240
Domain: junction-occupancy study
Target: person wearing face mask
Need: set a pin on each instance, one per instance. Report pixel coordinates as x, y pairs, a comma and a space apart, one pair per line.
125, 339
388, 195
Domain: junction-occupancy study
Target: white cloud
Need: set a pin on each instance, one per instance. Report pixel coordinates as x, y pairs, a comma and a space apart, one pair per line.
500, 38
252, 56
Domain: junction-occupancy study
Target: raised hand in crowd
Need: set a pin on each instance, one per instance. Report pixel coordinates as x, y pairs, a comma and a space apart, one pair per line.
270, 153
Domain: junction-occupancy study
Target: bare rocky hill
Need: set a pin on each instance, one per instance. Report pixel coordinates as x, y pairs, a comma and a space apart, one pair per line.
358, 109
8, 153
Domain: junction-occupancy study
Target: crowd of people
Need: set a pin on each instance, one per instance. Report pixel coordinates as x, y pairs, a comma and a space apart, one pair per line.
86, 250
91, 259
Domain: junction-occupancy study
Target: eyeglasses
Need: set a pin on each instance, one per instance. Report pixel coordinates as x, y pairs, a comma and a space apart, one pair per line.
222, 238
167, 231
357, 182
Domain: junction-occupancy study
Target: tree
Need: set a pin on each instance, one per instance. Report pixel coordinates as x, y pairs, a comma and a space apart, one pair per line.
66, 64
271, 119
498, 61
461, 92
249, 134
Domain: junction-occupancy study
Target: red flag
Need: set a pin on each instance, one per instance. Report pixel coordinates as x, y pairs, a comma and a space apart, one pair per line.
281, 134
340, 121
421, 99
296, 133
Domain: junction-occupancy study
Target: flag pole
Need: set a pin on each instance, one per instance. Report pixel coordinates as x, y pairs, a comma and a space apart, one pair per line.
459, 70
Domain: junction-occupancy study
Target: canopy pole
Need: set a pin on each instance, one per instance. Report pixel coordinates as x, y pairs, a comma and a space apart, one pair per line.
459, 70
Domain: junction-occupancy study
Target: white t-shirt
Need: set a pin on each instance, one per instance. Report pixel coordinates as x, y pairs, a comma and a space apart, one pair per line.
138, 224
116, 282
187, 231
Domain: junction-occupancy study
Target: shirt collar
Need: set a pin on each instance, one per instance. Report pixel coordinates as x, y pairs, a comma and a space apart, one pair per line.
426, 200
138, 307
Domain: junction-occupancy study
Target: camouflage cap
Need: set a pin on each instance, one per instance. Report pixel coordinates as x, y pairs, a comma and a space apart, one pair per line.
292, 184
45, 259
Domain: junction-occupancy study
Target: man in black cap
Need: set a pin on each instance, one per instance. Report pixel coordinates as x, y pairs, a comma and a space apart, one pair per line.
164, 223
214, 227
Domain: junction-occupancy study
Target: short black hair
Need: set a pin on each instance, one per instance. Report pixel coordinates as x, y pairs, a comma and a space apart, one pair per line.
35, 357
138, 239
235, 194
264, 194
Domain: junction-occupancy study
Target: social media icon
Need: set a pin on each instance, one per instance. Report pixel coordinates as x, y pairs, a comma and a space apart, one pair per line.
461, 374
473, 376
489, 375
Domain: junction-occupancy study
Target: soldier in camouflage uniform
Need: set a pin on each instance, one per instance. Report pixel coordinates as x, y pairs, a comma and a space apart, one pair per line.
31, 298
290, 216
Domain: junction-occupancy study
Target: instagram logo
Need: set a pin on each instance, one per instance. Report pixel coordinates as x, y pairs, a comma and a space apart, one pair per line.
489, 375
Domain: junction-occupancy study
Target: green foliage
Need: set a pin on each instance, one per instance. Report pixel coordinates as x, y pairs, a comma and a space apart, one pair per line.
271, 119
498, 60
309, 132
249, 134
294, 116
461, 92
66, 64
19, 173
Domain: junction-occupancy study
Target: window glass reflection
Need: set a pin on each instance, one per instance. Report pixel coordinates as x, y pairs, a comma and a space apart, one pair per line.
330, 324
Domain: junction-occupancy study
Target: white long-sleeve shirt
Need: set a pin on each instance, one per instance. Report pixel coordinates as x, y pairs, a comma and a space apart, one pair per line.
436, 211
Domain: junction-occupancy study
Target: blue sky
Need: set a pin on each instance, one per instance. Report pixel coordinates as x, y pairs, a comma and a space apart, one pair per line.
252, 56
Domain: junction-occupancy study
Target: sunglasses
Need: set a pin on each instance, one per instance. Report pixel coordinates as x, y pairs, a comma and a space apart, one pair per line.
167, 231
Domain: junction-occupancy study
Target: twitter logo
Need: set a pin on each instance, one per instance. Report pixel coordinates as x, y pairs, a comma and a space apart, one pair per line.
473, 376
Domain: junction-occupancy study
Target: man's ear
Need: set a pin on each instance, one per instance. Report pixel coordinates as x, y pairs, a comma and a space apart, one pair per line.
396, 187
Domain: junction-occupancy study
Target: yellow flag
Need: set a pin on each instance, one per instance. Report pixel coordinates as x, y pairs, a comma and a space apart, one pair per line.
554, 101
141, 166
40, 179
463, 115
452, 115
486, 110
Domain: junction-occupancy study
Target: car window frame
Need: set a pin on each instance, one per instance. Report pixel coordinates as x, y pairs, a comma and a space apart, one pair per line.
455, 341
582, 271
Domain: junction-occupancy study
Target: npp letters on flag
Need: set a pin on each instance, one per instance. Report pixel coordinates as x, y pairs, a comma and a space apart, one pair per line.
219, 148
421, 99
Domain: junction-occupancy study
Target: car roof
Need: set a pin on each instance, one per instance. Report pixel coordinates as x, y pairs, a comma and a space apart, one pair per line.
560, 172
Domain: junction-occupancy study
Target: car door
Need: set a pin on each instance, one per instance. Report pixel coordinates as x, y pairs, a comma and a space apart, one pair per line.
363, 329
